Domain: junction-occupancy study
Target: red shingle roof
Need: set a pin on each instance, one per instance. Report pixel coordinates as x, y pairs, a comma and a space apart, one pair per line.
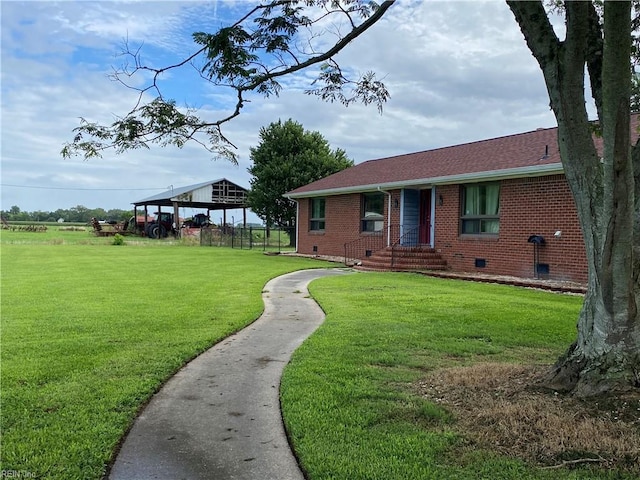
525, 154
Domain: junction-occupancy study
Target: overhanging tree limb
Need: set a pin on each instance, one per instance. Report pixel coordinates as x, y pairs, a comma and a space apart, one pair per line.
232, 61
339, 46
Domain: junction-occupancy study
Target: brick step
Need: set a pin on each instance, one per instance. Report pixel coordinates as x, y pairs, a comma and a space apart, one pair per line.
406, 250
400, 264
380, 267
434, 263
408, 255
406, 259
435, 260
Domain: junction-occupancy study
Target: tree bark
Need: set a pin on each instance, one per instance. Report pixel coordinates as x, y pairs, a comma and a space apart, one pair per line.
606, 354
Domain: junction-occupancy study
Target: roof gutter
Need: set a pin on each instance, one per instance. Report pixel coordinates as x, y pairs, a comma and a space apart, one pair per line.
531, 171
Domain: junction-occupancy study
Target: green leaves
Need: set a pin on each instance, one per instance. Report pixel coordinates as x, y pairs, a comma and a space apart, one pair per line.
276, 39
333, 83
288, 157
229, 54
157, 122
89, 148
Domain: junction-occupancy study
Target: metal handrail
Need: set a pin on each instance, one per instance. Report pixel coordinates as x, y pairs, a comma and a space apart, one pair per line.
362, 246
368, 244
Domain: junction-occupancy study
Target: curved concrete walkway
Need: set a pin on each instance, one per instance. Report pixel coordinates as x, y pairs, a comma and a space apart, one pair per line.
219, 417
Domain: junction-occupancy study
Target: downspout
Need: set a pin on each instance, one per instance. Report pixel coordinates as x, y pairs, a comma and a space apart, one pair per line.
388, 216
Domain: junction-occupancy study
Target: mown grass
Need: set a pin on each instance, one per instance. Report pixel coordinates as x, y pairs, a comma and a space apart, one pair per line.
70, 235
90, 330
349, 398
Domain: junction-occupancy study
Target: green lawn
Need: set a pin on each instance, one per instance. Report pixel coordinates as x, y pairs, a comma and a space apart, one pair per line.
90, 330
347, 395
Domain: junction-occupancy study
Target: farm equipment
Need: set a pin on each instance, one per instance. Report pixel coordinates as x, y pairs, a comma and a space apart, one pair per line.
153, 227
23, 228
159, 227
199, 220
107, 229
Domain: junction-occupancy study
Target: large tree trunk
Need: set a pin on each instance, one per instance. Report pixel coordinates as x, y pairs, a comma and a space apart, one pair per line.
606, 354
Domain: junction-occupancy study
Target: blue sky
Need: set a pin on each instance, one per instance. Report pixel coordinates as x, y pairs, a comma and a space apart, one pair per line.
457, 72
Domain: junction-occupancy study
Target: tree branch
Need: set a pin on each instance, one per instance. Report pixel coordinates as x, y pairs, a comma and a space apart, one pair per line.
540, 37
231, 61
355, 33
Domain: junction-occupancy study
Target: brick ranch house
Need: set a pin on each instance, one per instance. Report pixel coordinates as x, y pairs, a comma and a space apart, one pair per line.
500, 206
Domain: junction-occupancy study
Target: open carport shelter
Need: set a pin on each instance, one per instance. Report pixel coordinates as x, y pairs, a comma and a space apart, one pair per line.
213, 195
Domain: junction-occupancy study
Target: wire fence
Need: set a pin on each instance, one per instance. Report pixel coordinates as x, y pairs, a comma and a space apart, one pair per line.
266, 239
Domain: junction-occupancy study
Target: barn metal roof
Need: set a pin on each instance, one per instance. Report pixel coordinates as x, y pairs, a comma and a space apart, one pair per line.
220, 194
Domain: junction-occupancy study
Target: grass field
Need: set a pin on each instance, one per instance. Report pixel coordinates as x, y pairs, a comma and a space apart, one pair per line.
90, 330
353, 397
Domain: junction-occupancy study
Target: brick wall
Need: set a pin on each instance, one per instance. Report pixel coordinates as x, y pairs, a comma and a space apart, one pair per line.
528, 206
342, 224
537, 205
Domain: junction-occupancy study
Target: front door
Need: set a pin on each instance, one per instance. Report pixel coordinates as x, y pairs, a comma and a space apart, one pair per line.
425, 217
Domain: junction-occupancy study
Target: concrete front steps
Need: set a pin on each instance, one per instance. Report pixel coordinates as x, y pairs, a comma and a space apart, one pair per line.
406, 259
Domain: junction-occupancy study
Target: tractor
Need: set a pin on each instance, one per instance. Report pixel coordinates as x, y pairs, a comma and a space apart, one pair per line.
159, 227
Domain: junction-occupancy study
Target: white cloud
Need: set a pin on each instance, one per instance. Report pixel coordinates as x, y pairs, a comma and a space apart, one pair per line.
456, 71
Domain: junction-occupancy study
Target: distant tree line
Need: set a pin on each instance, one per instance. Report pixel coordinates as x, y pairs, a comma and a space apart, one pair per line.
77, 214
